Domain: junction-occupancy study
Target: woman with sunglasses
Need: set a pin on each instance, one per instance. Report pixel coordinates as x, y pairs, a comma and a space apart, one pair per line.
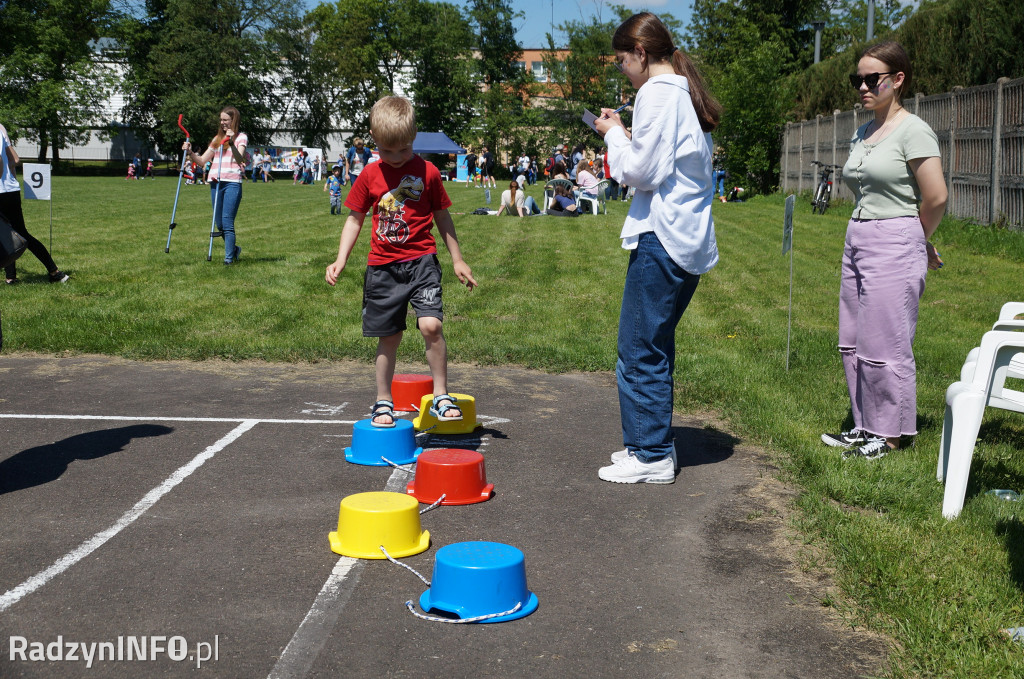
668, 229
895, 173
226, 155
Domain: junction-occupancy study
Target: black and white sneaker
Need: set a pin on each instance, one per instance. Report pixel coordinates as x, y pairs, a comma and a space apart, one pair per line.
847, 439
871, 450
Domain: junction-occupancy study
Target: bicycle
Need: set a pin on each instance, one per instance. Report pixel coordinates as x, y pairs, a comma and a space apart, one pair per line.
823, 194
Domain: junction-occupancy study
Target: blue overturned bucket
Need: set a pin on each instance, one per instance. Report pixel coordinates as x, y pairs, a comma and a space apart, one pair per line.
371, 445
474, 579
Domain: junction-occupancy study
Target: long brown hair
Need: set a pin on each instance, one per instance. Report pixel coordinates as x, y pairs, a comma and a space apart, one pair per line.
236, 118
647, 30
895, 57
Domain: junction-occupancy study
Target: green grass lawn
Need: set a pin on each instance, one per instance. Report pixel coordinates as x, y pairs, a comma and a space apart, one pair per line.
548, 298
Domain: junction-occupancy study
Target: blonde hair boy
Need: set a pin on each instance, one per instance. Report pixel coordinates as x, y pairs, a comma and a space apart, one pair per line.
406, 197
393, 122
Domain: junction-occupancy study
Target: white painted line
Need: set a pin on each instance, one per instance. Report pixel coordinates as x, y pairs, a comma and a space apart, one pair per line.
297, 657
125, 418
323, 409
12, 596
309, 639
399, 479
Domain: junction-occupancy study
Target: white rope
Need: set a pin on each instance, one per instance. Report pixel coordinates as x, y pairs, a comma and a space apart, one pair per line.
405, 566
433, 506
407, 470
478, 618
431, 618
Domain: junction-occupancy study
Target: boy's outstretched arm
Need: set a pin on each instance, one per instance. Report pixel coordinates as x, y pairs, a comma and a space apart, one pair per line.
447, 230
349, 235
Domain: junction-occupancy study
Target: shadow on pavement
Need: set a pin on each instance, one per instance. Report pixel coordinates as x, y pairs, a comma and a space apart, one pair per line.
708, 445
43, 464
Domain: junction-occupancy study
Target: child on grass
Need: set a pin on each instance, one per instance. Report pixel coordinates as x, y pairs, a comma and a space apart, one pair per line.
333, 187
406, 197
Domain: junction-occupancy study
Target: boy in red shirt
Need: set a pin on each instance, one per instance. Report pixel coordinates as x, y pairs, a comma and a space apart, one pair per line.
406, 197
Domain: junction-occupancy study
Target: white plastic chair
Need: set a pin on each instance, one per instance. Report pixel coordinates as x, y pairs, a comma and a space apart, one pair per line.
596, 202
965, 406
1007, 321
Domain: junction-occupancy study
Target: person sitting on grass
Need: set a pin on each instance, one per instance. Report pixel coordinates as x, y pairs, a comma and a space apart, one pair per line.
563, 204
406, 196
513, 200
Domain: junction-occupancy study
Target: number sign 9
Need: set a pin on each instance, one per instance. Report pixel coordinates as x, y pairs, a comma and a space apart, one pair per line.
37, 181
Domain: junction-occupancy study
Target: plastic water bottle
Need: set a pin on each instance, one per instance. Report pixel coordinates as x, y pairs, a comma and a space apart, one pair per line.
487, 195
1008, 495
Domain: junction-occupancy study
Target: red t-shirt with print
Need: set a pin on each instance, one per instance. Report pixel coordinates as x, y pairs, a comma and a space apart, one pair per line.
403, 201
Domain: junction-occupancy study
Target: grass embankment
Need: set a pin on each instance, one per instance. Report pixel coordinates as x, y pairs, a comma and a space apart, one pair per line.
549, 299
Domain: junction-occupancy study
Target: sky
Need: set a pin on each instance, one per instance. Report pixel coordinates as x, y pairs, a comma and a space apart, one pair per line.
536, 23
533, 28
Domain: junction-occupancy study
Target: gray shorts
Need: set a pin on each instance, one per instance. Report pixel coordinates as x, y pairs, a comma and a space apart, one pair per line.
389, 289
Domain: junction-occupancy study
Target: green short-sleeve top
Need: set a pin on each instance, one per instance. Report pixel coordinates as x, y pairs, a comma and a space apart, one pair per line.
879, 174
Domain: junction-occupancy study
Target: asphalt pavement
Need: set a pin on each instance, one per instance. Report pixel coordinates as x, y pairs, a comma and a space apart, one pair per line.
184, 508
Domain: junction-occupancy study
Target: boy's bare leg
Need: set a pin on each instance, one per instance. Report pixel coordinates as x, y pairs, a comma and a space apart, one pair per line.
387, 351
437, 355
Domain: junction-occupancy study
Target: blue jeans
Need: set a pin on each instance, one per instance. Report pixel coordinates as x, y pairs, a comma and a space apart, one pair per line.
531, 206
718, 180
225, 207
656, 295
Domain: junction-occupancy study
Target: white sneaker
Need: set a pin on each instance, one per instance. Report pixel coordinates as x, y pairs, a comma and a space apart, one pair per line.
621, 455
631, 470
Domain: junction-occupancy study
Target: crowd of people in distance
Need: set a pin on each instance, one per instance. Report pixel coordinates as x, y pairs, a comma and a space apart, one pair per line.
585, 173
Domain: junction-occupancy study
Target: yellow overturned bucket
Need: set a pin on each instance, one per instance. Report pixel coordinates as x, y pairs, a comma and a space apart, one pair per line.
367, 521
468, 423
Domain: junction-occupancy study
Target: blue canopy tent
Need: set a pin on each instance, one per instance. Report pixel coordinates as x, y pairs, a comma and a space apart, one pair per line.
435, 142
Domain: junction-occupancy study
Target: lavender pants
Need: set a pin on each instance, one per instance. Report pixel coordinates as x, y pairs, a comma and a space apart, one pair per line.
883, 275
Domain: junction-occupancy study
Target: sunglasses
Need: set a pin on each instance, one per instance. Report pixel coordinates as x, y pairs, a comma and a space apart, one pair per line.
871, 79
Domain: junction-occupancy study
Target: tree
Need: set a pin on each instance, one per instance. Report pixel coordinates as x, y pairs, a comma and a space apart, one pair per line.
756, 96
193, 57
444, 88
950, 43
747, 51
585, 78
53, 85
353, 52
506, 84
847, 22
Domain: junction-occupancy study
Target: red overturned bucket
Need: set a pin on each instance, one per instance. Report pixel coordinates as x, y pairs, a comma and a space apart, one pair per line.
457, 474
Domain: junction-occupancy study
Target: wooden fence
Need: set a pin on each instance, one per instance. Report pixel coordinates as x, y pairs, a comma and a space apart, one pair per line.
981, 138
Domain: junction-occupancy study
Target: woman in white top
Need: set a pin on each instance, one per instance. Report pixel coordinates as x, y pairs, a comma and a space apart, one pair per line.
226, 155
669, 231
513, 199
895, 173
10, 210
